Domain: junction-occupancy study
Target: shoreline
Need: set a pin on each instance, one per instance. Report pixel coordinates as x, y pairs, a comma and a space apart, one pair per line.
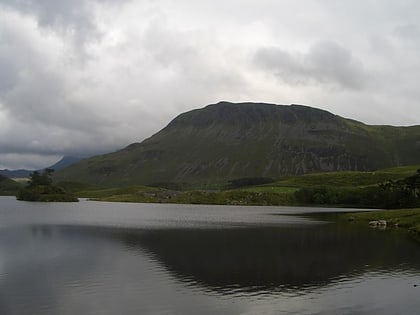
404, 219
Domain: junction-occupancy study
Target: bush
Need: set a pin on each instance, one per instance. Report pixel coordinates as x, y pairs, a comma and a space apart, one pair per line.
403, 193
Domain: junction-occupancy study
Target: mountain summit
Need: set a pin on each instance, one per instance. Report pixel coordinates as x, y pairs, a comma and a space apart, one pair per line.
226, 140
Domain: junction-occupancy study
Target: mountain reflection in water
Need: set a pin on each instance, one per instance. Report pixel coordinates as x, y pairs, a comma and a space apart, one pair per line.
96, 258
264, 259
267, 259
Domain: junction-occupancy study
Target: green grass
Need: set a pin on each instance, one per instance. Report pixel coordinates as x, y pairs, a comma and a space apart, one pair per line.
249, 196
346, 179
101, 193
278, 193
271, 189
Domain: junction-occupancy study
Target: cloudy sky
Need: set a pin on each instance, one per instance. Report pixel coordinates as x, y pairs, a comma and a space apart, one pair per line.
83, 77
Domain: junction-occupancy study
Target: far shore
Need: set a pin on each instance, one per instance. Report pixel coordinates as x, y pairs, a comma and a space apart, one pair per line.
404, 219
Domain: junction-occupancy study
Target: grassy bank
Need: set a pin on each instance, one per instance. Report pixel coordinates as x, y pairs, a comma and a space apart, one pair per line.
217, 197
334, 189
408, 219
346, 179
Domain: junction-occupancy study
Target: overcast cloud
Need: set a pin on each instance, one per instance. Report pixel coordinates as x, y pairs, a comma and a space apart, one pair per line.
85, 77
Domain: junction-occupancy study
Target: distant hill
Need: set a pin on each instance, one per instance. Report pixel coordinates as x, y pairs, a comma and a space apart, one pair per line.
22, 173
225, 141
15, 173
65, 162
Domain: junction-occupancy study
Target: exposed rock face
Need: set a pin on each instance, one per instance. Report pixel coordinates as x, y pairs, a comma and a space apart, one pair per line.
225, 141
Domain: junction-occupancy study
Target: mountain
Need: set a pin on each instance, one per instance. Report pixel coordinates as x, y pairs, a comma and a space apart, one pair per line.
65, 162
226, 140
15, 173
22, 173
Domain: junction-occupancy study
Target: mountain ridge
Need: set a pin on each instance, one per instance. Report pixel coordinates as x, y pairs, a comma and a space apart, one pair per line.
226, 140
24, 173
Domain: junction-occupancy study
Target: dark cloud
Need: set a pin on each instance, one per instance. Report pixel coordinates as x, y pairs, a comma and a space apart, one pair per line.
63, 14
73, 19
325, 62
54, 12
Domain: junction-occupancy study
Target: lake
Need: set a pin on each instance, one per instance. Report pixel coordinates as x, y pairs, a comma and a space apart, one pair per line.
115, 258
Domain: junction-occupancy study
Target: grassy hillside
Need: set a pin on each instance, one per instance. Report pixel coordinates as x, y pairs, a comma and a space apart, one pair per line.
8, 187
281, 192
347, 179
225, 141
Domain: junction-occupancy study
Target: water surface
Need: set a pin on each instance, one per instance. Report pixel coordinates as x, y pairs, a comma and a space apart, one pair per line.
114, 258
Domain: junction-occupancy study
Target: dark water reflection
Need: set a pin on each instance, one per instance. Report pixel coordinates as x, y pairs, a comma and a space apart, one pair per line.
86, 268
255, 259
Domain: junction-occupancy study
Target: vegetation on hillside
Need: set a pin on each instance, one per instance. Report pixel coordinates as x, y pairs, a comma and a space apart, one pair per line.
348, 189
346, 178
41, 188
249, 181
392, 194
8, 187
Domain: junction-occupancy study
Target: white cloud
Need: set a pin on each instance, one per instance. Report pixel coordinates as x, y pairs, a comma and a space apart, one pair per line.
93, 76
324, 63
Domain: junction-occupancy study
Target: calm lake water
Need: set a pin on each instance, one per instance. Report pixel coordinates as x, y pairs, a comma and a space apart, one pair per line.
113, 258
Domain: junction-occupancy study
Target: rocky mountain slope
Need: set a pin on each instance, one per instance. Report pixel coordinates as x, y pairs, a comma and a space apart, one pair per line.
225, 141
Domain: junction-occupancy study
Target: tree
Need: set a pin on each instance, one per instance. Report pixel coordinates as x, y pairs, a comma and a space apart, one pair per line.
46, 177
40, 188
36, 179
